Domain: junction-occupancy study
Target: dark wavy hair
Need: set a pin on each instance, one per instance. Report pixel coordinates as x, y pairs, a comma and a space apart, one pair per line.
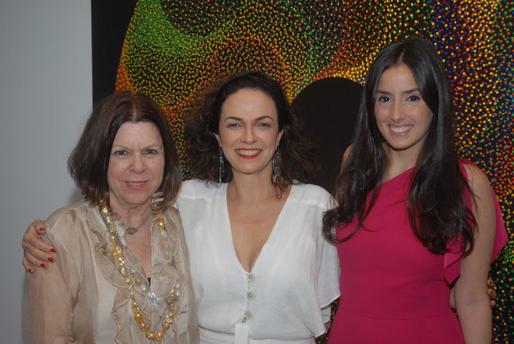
89, 161
436, 208
297, 158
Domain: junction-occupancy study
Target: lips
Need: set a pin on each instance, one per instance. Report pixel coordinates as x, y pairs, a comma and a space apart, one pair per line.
400, 130
248, 153
136, 185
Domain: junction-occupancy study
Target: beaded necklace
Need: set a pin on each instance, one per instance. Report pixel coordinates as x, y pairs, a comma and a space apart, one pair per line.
121, 263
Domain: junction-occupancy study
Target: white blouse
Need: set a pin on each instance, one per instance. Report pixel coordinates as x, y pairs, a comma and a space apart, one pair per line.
286, 296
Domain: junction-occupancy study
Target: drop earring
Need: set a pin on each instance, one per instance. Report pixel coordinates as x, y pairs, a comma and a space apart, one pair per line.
221, 166
275, 168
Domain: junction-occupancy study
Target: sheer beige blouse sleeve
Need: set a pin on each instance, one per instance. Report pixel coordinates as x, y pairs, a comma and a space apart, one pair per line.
82, 297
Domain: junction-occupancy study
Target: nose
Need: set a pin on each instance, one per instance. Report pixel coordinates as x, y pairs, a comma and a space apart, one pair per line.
137, 163
397, 111
248, 135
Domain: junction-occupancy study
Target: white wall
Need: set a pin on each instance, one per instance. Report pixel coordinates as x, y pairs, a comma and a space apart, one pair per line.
45, 97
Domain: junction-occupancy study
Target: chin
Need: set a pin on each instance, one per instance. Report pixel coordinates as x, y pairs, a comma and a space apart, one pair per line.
137, 201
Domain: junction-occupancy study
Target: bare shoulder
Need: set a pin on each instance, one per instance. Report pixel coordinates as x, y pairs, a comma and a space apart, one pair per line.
477, 181
484, 205
346, 155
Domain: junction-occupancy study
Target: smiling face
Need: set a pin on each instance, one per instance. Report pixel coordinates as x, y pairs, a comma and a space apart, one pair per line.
249, 131
136, 165
403, 118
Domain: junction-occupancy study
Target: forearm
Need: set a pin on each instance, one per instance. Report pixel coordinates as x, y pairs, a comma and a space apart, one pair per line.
476, 321
48, 302
47, 315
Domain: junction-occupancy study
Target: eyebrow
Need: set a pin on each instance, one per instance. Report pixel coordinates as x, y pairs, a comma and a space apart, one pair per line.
260, 118
412, 90
147, 146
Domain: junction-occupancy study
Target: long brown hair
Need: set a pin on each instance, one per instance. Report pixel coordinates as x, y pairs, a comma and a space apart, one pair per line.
436, 208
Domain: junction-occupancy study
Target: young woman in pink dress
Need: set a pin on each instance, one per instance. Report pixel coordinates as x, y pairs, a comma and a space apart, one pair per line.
413, 219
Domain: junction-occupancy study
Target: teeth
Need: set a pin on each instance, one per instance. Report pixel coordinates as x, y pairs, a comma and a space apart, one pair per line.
248, 151
399, 129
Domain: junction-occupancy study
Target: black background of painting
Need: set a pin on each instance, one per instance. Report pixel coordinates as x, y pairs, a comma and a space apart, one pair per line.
327, 108
109, 22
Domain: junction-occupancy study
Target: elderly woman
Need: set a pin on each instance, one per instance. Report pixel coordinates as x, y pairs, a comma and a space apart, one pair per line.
123, 272
262, 271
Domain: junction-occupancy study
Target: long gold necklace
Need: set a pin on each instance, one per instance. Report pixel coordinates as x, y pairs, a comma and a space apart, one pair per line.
121, 263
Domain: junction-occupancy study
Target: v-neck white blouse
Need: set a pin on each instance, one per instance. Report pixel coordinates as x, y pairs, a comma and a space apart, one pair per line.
286, 296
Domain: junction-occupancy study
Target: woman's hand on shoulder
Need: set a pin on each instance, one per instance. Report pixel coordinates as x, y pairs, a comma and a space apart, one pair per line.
37, 251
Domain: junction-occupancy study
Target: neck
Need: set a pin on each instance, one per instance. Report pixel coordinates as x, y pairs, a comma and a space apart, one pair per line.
398, 162
134, 216
251, 188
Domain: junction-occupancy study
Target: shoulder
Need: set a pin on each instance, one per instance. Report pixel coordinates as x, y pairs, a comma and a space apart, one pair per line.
172, 214
312, 194
346, 154
476, 179
63, 224
67, 214
484, 202
196, 188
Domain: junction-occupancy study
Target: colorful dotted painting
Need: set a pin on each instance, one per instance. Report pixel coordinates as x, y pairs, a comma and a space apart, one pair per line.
172, 49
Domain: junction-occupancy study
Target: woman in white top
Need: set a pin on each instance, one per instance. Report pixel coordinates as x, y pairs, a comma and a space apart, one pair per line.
261, 270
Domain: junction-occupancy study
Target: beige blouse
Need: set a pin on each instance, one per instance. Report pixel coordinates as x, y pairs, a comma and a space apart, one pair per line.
82, 298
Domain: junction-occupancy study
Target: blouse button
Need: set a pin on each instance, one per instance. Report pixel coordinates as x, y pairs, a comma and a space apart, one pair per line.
248, 315
250, 276
249, 295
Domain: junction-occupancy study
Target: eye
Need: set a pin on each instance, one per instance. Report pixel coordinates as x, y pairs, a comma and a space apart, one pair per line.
413, 98
265, 125
233, 125
151, 151
120, 152
383, 99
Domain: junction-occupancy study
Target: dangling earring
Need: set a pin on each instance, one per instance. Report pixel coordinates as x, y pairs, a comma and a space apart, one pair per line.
275, 168
221, 166
157, 200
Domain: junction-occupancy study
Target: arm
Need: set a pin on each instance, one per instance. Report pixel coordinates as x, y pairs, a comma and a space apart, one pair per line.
471, 298
38, 251
491, 293
48, 302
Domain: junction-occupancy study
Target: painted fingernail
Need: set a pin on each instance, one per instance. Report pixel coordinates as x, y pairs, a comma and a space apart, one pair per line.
51, 259
29, 270
41, 230
53, 250
43, 265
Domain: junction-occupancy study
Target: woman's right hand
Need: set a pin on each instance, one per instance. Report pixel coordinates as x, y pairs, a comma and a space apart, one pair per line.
37, 251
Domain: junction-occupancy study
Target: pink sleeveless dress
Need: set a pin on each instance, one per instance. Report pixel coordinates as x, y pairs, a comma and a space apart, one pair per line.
393, 290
